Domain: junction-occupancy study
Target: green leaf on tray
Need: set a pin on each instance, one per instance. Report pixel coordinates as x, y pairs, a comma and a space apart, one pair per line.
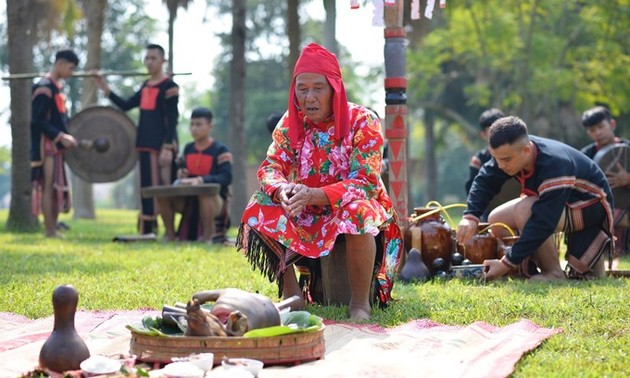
154, 327
294, 322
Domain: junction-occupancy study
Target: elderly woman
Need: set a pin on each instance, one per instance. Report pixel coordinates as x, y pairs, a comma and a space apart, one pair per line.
321, 179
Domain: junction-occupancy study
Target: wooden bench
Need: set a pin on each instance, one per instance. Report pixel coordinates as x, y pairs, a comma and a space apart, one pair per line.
209, 189
180, 190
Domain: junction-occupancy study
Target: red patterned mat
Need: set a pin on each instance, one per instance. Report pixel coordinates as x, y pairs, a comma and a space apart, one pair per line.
417, 348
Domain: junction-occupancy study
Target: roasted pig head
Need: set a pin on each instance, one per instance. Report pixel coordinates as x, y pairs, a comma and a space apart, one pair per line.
202, 323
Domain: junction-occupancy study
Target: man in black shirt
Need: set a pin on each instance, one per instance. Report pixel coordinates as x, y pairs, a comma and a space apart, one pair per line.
561, 190
156, 141
49, 137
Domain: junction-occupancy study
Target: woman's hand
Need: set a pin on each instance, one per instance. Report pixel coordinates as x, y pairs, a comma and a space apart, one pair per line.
294, 198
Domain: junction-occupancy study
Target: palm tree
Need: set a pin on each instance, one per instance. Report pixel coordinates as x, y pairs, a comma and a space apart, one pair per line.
28, 21
173, 6
237, 105
293, 32
330, 29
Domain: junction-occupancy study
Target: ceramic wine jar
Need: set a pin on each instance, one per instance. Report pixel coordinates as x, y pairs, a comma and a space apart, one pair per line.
436, 238
482, 246
508, 241
414, 268
64, 350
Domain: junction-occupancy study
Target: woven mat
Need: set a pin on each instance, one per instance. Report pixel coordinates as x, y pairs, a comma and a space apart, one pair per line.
417, 348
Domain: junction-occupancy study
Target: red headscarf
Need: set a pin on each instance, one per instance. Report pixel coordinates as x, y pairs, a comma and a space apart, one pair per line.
316, 59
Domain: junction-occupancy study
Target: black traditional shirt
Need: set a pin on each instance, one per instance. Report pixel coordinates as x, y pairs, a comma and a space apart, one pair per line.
214, 164
157, 126
592, 149
476, 161
48, 116
561, 175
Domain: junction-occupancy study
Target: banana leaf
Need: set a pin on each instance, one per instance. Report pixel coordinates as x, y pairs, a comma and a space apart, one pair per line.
293, 322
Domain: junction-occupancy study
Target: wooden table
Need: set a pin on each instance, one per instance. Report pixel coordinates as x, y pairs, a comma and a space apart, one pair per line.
180, 190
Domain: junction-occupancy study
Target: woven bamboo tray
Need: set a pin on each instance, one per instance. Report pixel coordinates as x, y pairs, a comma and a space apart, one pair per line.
277, 350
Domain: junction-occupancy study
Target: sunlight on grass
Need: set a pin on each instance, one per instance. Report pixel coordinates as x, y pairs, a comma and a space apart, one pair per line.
593, 315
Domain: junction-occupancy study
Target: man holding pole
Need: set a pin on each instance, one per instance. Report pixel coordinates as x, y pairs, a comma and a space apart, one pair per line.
156, 141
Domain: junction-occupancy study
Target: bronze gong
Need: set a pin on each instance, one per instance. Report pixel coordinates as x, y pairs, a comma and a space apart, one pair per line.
106, 150
609, 158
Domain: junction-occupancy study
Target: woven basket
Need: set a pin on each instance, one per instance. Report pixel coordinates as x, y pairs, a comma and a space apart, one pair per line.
277, 350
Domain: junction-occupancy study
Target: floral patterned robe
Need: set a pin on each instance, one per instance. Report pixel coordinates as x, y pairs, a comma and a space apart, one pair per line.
349, 173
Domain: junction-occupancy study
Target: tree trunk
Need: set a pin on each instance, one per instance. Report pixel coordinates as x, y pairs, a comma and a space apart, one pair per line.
237, 108
172, 14
172, 6
330, 28
293, 31
20, 30
417, 30
82, 191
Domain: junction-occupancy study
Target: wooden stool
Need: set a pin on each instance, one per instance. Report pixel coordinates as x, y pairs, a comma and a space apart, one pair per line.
335, 284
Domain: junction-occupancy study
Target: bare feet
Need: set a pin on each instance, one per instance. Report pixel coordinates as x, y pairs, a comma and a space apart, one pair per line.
359, 313
549, 276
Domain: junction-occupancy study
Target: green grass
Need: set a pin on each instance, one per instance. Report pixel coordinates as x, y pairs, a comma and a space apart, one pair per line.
594, 315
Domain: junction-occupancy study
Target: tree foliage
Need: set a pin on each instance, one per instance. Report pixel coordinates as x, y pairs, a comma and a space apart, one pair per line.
545, 61
268, 73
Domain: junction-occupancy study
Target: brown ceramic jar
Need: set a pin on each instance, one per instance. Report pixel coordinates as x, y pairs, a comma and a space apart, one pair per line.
482, 246
64, 349
436, 238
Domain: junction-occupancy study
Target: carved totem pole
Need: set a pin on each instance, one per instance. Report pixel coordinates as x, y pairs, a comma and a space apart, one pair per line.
396, 107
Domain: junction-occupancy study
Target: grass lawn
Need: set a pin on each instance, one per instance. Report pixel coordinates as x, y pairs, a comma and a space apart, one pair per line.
594, 315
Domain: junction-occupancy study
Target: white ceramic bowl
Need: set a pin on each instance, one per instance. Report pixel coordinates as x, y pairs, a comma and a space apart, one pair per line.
182, 370
204, 361
98, 365
251, 365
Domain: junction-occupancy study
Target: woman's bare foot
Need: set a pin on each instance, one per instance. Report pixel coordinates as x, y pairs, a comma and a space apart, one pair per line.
359, 313
298, 303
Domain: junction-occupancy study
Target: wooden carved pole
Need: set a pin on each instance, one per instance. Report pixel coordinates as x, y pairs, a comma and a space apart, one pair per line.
396, 107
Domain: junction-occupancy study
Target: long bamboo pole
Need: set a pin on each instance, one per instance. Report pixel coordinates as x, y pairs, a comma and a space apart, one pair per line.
32, 75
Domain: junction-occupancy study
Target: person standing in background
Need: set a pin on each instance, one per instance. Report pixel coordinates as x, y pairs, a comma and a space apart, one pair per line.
156, 141
49, 137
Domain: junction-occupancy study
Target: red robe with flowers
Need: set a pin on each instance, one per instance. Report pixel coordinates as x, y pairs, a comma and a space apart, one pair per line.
348, 171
